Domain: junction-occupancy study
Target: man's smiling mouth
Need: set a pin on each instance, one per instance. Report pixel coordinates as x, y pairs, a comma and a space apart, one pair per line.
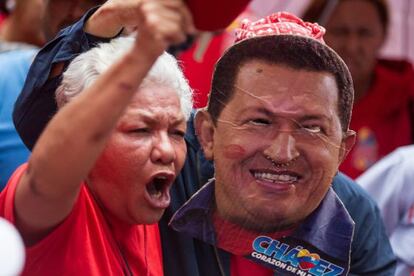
276, 178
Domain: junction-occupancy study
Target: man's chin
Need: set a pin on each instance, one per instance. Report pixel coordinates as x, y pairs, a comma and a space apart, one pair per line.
263, 222
275, 225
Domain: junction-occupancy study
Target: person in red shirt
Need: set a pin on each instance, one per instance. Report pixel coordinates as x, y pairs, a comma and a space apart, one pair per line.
98, 179
383, 113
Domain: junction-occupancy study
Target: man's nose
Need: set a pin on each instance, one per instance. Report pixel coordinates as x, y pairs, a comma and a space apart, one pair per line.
282, 148
163, 150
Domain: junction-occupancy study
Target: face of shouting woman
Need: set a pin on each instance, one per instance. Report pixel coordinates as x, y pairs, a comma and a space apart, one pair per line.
145, 153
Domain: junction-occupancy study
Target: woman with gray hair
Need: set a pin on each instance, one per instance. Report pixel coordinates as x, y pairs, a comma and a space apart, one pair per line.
100, 173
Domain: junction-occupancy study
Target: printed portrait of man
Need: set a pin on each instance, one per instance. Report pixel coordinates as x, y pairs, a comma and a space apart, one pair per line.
276, 128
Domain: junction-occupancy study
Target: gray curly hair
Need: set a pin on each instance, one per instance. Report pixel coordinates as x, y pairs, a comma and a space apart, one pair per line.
86, 68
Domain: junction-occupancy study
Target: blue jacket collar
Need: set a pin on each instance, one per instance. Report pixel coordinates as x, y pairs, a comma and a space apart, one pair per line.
329, 228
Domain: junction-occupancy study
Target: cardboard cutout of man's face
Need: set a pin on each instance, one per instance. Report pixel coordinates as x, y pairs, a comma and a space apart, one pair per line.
276, 146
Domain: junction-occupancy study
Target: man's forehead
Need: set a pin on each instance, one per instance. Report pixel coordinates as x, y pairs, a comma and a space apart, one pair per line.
281, 77
276, 86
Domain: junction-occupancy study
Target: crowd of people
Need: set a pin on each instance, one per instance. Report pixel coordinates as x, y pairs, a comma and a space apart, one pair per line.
107, 167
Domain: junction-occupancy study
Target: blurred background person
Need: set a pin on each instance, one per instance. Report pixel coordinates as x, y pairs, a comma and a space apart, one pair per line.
20, 36
31, 24
199, 60
384, 89
23, 24
13, 70
3, 11
391, 183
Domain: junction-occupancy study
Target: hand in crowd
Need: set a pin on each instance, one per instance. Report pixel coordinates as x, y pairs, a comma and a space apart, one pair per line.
166, 21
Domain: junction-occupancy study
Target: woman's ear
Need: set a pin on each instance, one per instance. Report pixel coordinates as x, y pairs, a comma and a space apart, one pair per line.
204, 128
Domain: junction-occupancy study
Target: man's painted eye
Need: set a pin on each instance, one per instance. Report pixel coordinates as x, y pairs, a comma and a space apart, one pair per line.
312, 128
260, 122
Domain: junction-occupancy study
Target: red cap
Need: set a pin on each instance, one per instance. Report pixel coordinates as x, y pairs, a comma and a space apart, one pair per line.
281, 23
214, 15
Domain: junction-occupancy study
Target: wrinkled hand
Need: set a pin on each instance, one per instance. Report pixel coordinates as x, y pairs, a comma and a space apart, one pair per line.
163, 23
114, 15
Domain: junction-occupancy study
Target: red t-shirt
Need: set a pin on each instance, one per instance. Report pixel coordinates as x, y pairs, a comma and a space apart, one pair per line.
86, 244
238, 241
2, 17
199, 72
199, 61
382, 117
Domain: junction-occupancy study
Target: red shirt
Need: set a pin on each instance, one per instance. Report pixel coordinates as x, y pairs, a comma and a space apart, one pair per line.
86, 243
2, 17
199, 61
238, 241
199, 71
382, 117
240, 266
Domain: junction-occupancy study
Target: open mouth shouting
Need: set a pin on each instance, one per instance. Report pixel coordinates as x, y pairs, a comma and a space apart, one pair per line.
158, 189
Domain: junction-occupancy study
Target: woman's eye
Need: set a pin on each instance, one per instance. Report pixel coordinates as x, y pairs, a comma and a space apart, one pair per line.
179, 133
260, 122
141, 130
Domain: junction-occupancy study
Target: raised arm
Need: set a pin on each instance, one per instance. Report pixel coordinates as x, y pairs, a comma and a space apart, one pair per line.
98, 25
75, 137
